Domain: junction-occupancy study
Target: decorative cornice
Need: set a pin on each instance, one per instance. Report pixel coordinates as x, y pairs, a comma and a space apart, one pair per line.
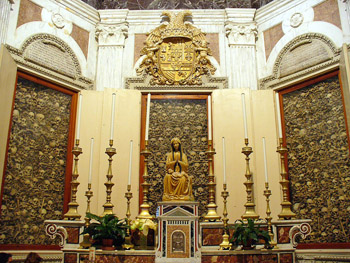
209, 83
53, 41
81, 9
112, 34
243, 15
275, 80
241, 34
72, 80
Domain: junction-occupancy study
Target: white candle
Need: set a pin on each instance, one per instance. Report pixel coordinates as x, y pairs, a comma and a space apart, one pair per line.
147, 115
209, 119
77, 137
279, 116
112, 117
91, 157
130, 162
265, 159
224, 158
244, 116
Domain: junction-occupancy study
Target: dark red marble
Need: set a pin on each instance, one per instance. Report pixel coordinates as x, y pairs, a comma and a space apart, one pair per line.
283, 234
73, 235
286, 258
211, 236
70, 258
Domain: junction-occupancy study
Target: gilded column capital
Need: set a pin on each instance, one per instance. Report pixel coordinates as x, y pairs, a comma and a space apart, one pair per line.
112, 34
241, 33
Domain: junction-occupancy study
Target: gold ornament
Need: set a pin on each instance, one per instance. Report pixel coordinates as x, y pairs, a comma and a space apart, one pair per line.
176, 53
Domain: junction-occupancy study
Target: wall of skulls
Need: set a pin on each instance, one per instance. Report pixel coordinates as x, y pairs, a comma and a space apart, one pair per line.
318, 159
187, 120
36, 161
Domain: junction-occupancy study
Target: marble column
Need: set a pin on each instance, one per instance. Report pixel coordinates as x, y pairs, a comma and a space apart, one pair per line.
241, 33
5, 8
111, 35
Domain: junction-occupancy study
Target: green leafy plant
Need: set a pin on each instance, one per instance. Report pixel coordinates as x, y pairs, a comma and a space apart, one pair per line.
106, 227
249, 233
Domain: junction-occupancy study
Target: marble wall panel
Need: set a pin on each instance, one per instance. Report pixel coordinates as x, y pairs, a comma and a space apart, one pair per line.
81, 36
28, 12
318, 159
34, 178
118, 259
271, 37
328, 11
177, 4
73, 235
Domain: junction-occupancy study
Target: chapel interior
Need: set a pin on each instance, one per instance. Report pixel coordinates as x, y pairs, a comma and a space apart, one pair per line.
188, 115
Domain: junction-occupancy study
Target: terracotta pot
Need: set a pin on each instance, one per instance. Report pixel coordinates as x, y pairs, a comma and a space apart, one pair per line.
107, 244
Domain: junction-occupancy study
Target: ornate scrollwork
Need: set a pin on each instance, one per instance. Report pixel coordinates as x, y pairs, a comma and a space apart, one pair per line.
53, 231
302, 230
176, 53
241, 33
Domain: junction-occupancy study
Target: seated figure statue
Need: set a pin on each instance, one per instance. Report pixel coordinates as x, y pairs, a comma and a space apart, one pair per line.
177, 182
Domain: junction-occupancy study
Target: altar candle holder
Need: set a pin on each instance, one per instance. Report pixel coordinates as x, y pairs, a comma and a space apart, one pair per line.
108, 206
72, 213
86, 238
286, 212
144, 214
249, 205
225, 244
128, 195
211, 215
267, 193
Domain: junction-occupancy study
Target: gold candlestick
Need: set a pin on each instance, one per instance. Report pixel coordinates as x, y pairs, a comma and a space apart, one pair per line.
267, 193
211, 215
225, 244
249, 205
72, 213
286, 212
128, 196
144, 214
86, 238
108, 206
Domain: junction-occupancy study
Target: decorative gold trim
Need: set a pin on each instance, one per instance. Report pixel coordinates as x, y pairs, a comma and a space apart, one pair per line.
176, 53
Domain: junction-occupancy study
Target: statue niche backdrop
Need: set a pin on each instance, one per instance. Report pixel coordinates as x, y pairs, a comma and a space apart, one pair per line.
185, 119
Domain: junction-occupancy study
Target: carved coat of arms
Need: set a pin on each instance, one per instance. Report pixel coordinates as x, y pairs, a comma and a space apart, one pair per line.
176, 53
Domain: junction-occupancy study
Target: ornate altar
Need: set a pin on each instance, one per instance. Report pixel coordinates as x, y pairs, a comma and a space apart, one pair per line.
178, 232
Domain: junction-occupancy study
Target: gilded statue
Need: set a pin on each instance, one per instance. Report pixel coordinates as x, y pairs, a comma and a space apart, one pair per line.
177, 182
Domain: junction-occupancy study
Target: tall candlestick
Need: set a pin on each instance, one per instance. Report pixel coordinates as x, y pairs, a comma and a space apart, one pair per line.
279, 115
113, 112
209, 118
224, 158
77, 137
265, 159
147, 115
244, 116
130, 162
91, 157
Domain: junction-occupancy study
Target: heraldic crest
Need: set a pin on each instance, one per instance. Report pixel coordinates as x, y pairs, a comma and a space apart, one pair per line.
176, 53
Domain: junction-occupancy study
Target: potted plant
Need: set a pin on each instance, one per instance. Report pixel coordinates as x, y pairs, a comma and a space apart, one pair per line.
248, 234
108, 230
